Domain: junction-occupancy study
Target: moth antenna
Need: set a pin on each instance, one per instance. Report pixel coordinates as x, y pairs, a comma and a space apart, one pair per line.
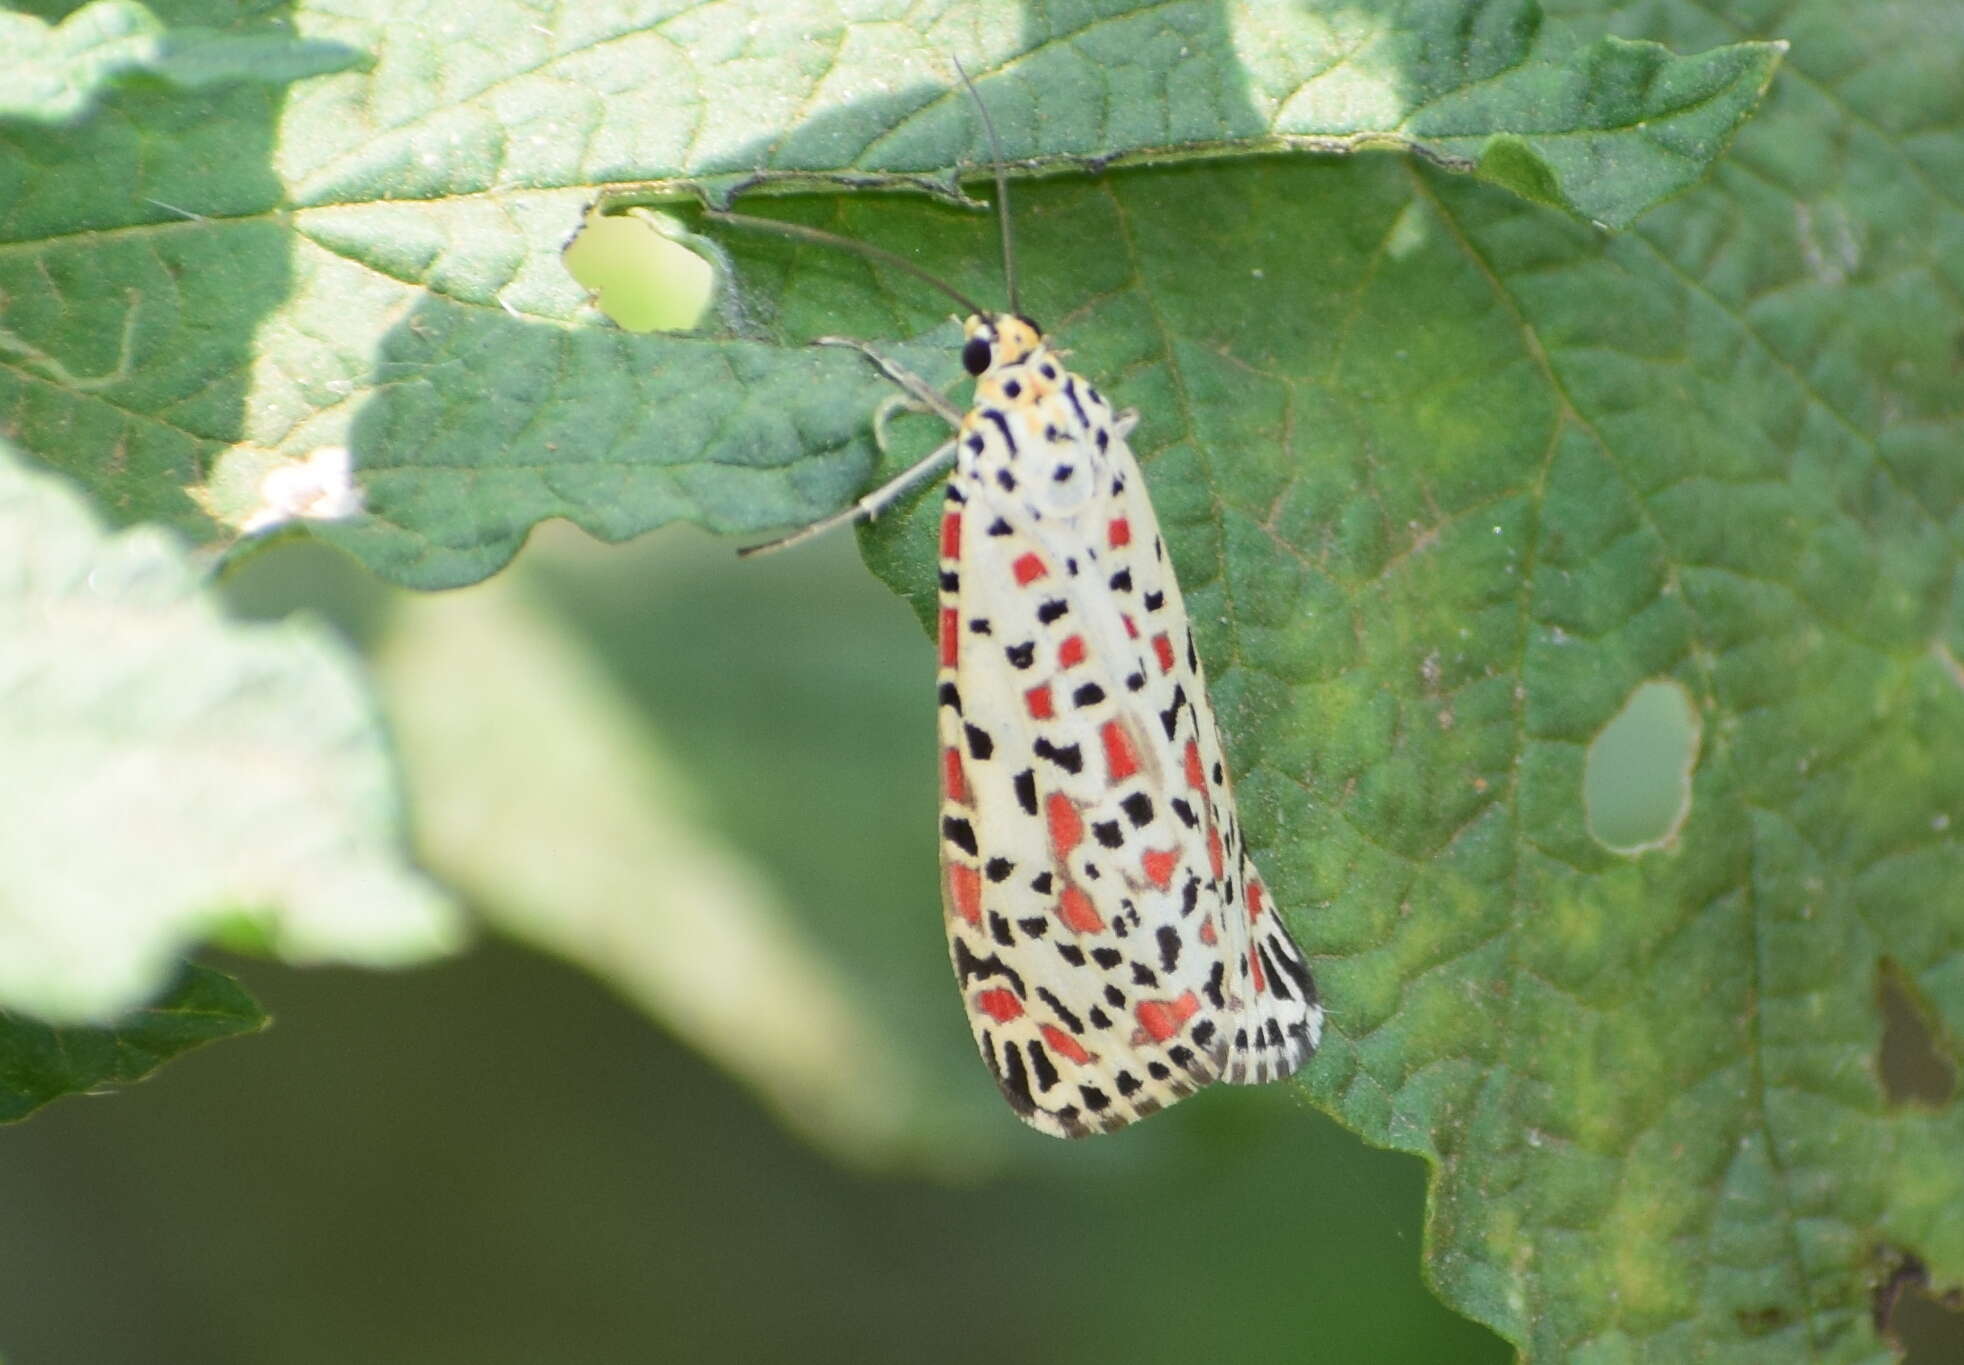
823, 238
1002, 190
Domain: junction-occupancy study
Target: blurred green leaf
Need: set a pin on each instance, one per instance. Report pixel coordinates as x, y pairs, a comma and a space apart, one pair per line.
171, 774
547, 800
199, 279
39, 1063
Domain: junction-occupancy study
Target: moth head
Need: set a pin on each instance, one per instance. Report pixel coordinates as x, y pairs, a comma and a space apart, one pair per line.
996, 339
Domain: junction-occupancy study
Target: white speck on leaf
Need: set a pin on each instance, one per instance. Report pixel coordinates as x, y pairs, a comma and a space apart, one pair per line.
319, 488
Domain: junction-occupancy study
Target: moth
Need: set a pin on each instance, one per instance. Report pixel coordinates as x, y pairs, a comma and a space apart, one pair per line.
1115, 947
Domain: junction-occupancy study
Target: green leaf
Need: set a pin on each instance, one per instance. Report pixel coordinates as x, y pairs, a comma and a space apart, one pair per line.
210, 285
171, 774
1450, 481
55, 71
39, 1063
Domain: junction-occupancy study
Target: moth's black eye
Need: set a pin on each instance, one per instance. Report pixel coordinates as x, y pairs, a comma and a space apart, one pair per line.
975, 355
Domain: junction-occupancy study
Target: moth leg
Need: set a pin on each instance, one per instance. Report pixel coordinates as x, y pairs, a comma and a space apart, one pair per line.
868, 506
917, 388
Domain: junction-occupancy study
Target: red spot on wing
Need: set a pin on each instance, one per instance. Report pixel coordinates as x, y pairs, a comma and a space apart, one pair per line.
1195, 777
1131, 627
1078, 913
953, 782
965, 892
1207, 934
1071, 653
999, 1004
1037, 700
1214, 849
950, 636
1120, 532
1120, 761
1161, 1019
1028, 568
1064, 1045
1066, 825
1255, 971
1159, 866
1255, 894
1163, 647
951, 536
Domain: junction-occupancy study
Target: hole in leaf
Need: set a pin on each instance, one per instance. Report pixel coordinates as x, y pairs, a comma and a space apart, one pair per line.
1927, 1328
642, 275
1913, 1064
1636, 784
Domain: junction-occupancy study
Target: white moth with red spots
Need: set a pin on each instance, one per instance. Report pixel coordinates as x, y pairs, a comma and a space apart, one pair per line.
1115, 948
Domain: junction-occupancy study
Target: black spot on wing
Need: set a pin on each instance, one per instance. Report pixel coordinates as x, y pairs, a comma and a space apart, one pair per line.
1069, 757
1025, 783
1292, 967
1065, 1016
1070, 393
969, 967
960, 833
1002, 425
1015, 1080
1169, 719
1040, 1063
1277, 983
